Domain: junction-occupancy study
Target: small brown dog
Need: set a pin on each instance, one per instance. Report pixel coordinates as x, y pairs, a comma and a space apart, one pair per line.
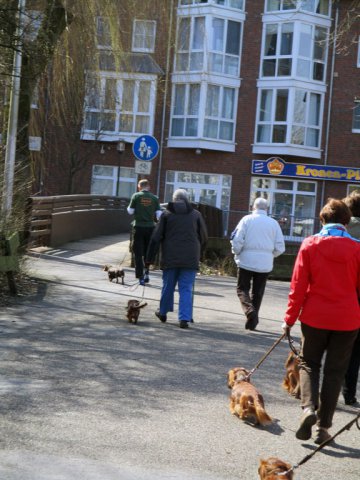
245, 400
273, 469
114, 272
291, 381
133, 310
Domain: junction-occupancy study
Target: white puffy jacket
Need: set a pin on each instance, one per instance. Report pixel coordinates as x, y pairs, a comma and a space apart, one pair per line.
255, 242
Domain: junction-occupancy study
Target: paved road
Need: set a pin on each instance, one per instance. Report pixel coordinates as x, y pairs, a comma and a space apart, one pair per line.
86, 396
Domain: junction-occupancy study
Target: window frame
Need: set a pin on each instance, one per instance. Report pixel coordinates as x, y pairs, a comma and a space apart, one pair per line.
289, 121
358, 54
356, 114
151, 49
297, 7
119, 78
292, 221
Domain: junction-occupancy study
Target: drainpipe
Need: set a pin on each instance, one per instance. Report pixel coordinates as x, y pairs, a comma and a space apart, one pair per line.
330, 97
10, 152
165, 98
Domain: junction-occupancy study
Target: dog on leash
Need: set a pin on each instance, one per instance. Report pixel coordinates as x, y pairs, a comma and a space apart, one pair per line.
133, 310
245, 401
274, 469
114, 272
291, 382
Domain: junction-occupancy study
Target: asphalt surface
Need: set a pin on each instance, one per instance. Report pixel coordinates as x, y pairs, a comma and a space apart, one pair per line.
87, 396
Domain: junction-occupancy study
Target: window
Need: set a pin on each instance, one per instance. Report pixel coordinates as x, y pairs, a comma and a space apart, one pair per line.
219, 118
107, 180
120, 104
224, 56
238, 4
103, 36
312, 52
185, 110
144, 32
289, 116
208, 188
190, 44
279, 58
291, 202
219, 113
356, 117
320, 7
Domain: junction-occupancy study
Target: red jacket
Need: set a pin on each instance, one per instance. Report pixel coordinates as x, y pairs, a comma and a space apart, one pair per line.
325, 284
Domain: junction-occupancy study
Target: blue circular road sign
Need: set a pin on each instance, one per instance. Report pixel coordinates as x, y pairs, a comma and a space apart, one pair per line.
145, 148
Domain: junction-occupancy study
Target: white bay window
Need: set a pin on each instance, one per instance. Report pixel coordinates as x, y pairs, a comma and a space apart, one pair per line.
206, 78
289, 116
119, 104
319, 7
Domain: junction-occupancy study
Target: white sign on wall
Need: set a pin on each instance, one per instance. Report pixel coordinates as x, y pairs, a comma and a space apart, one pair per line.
142, 168
35, 144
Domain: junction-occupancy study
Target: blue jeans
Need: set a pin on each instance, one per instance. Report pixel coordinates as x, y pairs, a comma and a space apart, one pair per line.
185, 279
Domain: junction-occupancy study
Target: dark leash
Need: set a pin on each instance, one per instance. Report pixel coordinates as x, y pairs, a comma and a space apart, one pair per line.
264, 357
355, 420
292, 344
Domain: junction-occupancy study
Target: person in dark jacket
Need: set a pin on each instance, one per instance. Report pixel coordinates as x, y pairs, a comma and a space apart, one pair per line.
352, 373
181, 233
324, 293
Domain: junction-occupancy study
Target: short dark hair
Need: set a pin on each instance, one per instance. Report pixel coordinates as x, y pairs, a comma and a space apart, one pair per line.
335, 211
144, 183
353, 202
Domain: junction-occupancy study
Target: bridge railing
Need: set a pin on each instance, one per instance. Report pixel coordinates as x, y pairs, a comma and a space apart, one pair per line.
56, 220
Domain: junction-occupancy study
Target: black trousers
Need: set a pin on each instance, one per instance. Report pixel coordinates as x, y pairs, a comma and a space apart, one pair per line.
352, 374
338, 346
140, 243
250, 290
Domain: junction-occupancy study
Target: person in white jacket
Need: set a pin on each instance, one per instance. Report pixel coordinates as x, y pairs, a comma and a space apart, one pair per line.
256, 240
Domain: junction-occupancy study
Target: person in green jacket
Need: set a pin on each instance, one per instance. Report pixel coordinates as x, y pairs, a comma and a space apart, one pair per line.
145, 207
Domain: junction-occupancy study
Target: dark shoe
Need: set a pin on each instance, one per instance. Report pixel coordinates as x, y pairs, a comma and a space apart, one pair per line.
184, 324
162, 318
192, 321
252, 321
351, 401
321, 435
141, 282
146, 277
308, 419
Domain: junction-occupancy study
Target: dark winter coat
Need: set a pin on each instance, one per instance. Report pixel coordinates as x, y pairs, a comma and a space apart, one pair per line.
181, 233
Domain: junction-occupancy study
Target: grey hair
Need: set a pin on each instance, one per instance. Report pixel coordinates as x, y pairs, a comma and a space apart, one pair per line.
180, 194
260, 204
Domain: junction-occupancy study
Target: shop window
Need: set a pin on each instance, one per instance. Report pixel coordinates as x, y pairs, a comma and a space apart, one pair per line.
210, 189
291, 203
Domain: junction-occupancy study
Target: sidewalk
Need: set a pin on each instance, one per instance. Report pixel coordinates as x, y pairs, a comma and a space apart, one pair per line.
85, 395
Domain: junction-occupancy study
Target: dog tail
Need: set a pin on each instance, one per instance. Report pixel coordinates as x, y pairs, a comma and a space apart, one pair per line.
142, 306
262, 416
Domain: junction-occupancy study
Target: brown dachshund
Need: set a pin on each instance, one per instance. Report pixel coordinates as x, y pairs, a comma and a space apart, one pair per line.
291, 381
133, 310
245, 401
114, 272
273, 469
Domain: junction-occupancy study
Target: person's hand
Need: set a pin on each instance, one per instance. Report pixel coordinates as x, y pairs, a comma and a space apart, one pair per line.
286, 328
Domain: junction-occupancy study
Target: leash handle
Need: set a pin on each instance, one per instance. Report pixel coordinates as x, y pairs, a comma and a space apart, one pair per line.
292, 344
265, 356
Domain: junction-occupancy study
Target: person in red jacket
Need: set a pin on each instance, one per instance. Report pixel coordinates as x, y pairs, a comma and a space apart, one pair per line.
324, 296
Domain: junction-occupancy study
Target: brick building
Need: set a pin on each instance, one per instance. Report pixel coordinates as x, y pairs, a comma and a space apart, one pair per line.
245, 98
